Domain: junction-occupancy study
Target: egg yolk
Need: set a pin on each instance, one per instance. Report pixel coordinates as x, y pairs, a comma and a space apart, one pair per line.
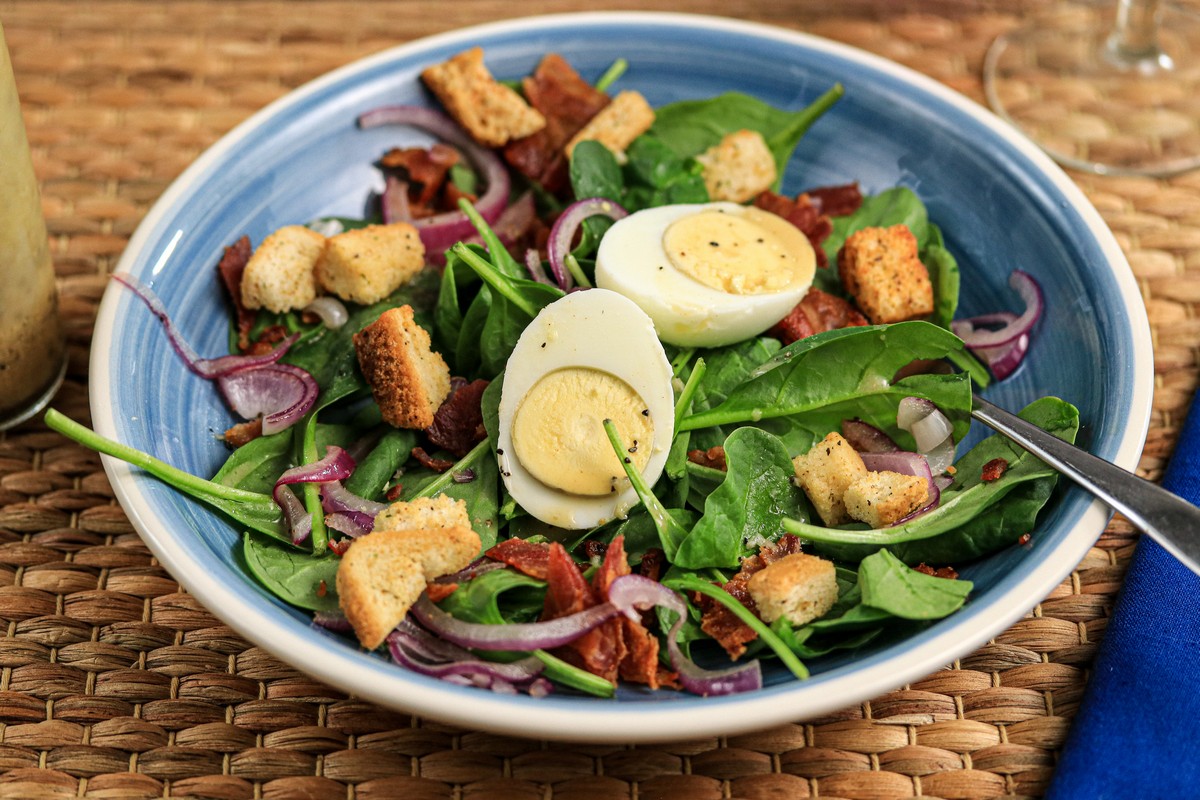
749, 252
558, 430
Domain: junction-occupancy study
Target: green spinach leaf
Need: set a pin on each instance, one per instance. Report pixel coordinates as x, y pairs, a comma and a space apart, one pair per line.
292, 575
889, 585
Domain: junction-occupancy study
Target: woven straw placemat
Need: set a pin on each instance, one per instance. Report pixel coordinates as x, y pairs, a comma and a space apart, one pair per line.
117, 684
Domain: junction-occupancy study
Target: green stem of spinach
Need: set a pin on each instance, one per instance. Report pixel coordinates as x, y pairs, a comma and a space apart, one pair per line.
611, 75
439, 483
184, 481
681, 360
496, 249
670, 533
312, 492
560, 671
576, 271
765, 634
684, 404
494, 278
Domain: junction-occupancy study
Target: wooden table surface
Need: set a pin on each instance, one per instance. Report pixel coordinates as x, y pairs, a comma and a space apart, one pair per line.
116, 683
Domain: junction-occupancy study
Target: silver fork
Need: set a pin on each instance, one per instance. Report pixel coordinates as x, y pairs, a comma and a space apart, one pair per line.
1172, 521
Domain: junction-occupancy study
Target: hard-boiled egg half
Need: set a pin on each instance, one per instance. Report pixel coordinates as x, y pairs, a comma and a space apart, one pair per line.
585, 358
709, 274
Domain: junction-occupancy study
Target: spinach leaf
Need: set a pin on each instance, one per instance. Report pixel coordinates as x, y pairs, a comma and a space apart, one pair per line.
959, 529
669, 524
293, 576
692, 126
252, 509
823, 379
257, 464
746, 509
370, 478
888, 585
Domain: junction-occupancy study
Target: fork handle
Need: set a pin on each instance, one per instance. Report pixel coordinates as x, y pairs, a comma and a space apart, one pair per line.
1168, 519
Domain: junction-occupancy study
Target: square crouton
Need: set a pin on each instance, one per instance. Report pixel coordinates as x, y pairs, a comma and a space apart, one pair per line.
490, 111
408, 379
884, 498
798, 587
430, 513
879, 267
279, 275
627, 117
825, 472
365, 265
384, 573
739, 167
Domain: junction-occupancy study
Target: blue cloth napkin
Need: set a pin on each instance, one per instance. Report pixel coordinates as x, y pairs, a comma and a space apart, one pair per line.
1137, 733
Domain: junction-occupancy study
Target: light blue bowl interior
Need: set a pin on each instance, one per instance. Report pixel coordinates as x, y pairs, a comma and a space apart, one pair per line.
997, 210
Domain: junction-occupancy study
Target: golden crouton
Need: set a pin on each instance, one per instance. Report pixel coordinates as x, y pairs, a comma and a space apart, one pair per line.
880, 268
627, 117
384, 572
490, 111
365, 265
825, 472
883, 498
279, 275
430, 513
798, 587
739, 167
408, 379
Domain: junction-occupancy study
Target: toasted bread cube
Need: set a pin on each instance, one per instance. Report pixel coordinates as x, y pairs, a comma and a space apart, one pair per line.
883, 498
365, 265
627, 117
407, 378
431, 513
490, 111
739, 167
384, 573
798, 587
279, 275
825, 472
880, 268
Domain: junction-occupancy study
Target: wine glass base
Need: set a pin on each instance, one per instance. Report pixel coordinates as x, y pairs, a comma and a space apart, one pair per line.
1062, 85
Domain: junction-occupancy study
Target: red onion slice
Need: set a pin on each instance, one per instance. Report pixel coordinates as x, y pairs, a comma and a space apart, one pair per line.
907, 463
634, 593
281, 393
1004, 360
515, 636
331, 310
349, 524
533, 263
1004, 349
209, 368
337, 499
866, 438
393, 203
417, 650
335, 466
563, 233
932, 430
332, 621
440, 231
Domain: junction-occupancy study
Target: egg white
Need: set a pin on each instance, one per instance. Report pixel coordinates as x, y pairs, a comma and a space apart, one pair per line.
600, 330
632, 260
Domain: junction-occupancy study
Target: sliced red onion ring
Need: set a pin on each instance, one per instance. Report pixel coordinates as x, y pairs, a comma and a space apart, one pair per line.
563, 233
337, 499
1003, 349
479, 566
441, 231
866, 438
416, 649
332, 621
931, 429
209, 368
634, 593
393, 203
533, 263
331, 310
281, 393
335, 466
516, 636
349, 524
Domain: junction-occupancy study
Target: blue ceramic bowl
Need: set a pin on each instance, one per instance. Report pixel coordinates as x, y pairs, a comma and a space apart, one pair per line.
1000, 202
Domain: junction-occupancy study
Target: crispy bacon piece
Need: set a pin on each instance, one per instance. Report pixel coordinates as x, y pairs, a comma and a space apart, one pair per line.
713, 458
940, 572
652, 564
994, 470
339, 546
231, 268
719, 622
425, 170
458, 422
243, 432
639, 663
440, 591
600, 650
816, 313
429, 462
567, 102
836, 201
531, 558
266, 341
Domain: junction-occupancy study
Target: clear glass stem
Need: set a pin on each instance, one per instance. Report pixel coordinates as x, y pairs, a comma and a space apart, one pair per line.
1134, 42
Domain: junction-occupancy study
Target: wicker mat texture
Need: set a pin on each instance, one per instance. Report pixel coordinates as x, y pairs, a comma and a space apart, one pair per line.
116, 684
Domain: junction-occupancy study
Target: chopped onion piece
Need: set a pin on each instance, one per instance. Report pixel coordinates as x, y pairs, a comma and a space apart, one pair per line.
931, 429
332, 311
1003, 349
281, 393
335, 466
563, 233
866, 438
515, 636
336, 499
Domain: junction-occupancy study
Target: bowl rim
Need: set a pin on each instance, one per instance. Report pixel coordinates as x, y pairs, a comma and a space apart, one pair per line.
613, 721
